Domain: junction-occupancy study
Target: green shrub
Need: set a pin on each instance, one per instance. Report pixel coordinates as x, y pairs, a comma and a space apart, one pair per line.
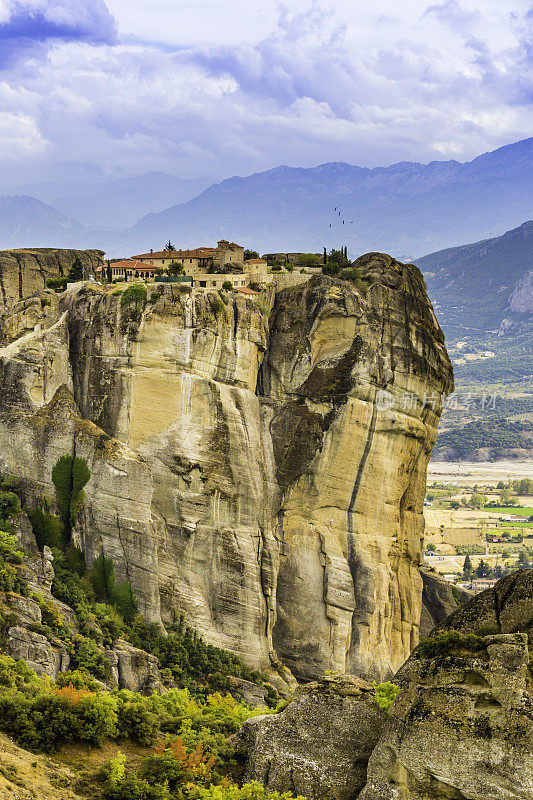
449, 642
248, 791
11, 556
78, 680
135, 293
227, 286
88, 657
47, 528
117, 784
136, 721
57, 284
217, 306
385, 694
69, 476
9, 505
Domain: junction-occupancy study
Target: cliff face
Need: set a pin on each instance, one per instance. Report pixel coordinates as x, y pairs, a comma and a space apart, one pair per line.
355, 382
262, 477
25, 272
463, 725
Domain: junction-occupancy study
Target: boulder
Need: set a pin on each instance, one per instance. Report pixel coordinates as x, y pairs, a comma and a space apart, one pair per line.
136, 670
40, 654
439, 599
319, 745
462, 728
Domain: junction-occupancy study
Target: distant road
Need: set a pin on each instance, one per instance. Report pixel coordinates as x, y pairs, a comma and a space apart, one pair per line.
478, 471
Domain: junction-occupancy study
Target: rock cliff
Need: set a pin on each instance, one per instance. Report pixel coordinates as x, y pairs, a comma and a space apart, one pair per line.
320, 745
463, 725
25, 272
263, 475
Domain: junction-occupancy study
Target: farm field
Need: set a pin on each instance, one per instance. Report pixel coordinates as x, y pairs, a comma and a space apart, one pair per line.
460, 523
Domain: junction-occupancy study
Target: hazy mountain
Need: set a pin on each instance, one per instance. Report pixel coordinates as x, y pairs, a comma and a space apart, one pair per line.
27, 222
476, 287
404, 209
116, 203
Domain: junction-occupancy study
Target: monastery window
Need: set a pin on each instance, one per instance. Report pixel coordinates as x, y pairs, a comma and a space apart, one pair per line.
203, 283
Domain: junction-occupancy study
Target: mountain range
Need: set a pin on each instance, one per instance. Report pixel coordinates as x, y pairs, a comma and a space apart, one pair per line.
407, 209
114, 204
483, 287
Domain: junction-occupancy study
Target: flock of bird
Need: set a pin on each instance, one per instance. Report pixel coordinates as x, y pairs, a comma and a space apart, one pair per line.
337, 211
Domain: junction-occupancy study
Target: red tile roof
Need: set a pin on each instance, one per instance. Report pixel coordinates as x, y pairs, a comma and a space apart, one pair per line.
198, 252
245, 290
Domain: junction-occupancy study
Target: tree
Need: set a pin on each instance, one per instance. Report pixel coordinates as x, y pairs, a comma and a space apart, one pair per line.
525, 486
478, 500
467, 566
455, 504
227, 286
169, 247
76, 272
109, 272
308, 260
336, 261
175, 268
9, 505
505, 496
69, 476
482, 569
431, 548
250, 254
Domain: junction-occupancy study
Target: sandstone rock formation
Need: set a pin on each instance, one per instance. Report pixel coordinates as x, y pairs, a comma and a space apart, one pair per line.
462, 728
505, 608
25, 272
463, 725
320, 745
264, 478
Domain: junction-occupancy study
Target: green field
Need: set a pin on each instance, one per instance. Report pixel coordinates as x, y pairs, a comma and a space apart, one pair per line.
518, 511
517, 525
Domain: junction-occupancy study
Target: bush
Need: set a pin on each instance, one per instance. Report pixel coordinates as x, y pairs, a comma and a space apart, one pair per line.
136, 721
135, 293
217, 306
9, 505
385, 694
47, 528
57, 284
69, 476
449, 642
88, 657
227, 286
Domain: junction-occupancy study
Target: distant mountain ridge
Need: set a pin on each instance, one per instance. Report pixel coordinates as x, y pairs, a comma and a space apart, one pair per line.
116, 203
27, 222
404, 209
477, 287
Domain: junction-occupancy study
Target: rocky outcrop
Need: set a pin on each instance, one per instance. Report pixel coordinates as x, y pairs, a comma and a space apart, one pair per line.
439, 599
25, 272
505, 608
462, 728
134, 669
45, 657
264, 478
355, 381
320, 745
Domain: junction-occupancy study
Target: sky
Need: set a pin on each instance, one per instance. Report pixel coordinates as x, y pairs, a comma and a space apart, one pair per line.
214, 88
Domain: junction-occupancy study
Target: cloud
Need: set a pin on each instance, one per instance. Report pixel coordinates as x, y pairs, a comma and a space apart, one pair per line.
453, 15
316, 88
30, 25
